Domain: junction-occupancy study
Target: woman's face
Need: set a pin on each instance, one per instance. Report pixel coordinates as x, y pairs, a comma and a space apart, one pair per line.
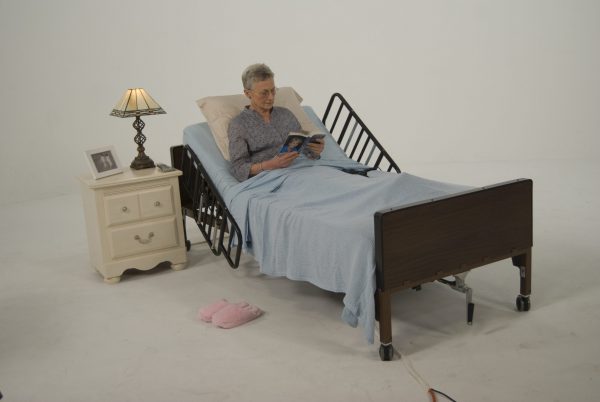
262, 95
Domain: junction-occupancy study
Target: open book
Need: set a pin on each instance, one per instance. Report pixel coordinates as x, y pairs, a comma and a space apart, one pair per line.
297, 141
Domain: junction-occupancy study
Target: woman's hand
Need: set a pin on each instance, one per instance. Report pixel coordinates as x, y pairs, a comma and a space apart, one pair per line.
317, 146
280, 161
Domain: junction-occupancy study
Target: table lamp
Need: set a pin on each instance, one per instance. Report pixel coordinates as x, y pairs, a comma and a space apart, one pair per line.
136, 102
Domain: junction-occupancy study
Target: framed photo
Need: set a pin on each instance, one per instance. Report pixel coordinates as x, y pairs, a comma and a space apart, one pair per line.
103, 161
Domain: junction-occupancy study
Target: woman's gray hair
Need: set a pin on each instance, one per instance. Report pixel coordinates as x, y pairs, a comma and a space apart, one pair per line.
255, 73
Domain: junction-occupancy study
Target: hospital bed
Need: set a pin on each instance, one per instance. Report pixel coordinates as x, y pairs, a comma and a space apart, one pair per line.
440, 233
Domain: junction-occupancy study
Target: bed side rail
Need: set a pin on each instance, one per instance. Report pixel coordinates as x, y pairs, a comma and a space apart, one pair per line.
354, 136
201, 201
425, 241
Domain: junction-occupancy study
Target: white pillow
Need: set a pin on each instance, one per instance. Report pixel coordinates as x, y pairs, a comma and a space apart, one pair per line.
219, 110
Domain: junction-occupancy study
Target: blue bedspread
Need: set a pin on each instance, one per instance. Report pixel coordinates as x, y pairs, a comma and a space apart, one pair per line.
313, 222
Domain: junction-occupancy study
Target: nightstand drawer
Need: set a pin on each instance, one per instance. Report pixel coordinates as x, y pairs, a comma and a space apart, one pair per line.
142, 238
156, 202
121, 208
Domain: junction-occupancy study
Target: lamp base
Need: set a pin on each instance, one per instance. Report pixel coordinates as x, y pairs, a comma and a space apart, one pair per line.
142, 162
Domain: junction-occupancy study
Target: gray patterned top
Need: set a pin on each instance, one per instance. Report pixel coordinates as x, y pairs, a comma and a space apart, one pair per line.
252, 140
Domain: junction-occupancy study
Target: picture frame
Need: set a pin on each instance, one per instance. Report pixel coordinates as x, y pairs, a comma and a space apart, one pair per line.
103, 161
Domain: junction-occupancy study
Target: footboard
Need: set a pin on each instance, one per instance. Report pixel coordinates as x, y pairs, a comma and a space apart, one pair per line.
430, 240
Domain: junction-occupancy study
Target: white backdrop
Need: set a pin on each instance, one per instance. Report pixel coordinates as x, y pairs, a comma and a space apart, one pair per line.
435, 80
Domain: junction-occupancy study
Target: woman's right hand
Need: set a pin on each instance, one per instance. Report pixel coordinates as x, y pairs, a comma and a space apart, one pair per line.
280, 161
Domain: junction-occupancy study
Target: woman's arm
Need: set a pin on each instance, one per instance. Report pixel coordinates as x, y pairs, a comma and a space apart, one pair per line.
239, 154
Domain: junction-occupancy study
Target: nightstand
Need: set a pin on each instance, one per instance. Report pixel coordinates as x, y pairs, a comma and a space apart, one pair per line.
133, 220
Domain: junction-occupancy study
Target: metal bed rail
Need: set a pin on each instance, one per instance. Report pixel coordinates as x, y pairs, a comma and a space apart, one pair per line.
202, 202
354, 136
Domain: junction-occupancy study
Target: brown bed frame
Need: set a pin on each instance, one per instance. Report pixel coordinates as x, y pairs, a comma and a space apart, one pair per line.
415, 244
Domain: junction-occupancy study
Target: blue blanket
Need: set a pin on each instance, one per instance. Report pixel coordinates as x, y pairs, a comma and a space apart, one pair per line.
315, 224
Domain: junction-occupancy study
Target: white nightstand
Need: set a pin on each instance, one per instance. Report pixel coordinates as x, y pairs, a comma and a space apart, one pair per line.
133, 221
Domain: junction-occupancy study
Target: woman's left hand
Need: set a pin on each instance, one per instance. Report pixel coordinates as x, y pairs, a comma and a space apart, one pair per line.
317, 146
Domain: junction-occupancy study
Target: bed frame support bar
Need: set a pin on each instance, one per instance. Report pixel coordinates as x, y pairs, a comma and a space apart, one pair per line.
459, 285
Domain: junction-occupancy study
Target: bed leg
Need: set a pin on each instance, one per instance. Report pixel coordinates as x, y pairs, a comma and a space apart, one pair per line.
384, 316
188, 243
523, 262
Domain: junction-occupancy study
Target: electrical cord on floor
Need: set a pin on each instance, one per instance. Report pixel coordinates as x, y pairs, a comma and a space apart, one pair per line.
432, 392
415, 374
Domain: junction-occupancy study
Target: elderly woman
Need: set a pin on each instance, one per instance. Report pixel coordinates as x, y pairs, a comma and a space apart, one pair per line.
258, 132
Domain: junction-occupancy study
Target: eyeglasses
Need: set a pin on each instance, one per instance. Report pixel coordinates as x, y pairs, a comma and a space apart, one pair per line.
265, 92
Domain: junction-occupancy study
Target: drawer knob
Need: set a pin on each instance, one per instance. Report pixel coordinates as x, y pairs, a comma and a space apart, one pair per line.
144, 241
157, 203
124, 209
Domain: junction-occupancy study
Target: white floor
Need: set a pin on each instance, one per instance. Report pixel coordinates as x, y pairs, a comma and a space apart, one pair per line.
67, 336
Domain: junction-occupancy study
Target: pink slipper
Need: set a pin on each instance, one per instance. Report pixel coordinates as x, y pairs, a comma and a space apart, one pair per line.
206, 313
235, 314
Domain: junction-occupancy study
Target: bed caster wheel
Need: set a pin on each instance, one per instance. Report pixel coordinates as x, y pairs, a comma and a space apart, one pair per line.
386, 352
523, 303
188, 245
